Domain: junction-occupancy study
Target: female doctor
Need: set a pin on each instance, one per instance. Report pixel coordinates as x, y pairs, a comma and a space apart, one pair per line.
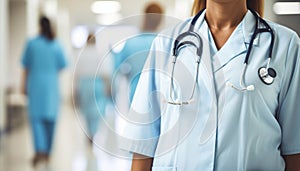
241, 115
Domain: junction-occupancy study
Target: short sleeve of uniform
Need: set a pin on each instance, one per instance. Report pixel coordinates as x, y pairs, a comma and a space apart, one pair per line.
61, 59
289, 110
26, 55
142, 129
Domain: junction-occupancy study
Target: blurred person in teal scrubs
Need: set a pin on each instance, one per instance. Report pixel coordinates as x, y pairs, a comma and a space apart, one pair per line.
43, 59
90, 89
136, 49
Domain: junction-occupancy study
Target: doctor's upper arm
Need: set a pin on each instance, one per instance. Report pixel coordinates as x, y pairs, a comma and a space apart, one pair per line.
289, 108
142, 129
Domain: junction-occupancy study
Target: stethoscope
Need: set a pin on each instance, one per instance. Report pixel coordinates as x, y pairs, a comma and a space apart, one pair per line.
266, 74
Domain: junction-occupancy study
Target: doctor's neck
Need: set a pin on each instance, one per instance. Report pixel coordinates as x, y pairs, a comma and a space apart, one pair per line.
222, 15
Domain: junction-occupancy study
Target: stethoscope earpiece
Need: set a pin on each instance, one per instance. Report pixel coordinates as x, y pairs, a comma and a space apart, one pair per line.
250, 88
267, 75
242, 89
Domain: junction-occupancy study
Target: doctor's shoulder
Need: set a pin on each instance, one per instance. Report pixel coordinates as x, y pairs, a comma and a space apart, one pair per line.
283, 32
167, 36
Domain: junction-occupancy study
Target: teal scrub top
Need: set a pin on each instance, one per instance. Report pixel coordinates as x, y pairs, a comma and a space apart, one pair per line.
43, 59
223, 129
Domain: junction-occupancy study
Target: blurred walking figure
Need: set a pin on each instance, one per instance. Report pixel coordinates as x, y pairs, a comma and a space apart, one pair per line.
42, 60
136, 49
91, 95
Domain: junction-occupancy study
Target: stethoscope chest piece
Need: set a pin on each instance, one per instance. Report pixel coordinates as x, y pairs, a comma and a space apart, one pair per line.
267, 76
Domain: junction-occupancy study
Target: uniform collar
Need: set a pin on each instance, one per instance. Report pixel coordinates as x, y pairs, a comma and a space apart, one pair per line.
238, 42
249, 24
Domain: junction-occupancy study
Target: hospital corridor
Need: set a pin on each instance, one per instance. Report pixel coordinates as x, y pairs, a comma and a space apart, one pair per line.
73, 74
72, 150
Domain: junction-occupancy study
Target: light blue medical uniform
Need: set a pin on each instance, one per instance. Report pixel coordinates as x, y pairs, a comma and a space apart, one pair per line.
43, 59
134, 54
224, 129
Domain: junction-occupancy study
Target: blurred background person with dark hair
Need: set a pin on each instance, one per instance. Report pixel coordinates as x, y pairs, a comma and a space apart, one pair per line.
130, 60
42, 60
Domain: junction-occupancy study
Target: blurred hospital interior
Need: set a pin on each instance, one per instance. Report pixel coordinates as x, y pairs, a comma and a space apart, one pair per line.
92, 33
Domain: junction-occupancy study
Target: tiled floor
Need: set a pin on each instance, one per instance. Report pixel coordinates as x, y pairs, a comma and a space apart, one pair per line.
71, 151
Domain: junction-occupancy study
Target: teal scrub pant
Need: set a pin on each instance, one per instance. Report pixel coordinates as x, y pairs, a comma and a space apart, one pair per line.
43, 134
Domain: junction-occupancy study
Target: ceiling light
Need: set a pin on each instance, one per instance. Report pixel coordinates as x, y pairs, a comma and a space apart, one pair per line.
79, 36
286, 8
104, 7
108, 19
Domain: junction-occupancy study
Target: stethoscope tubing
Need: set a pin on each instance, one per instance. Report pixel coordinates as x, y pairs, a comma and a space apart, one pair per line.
256, 32
179, 44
